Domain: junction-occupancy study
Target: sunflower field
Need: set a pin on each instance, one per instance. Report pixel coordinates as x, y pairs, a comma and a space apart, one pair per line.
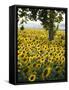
38, 58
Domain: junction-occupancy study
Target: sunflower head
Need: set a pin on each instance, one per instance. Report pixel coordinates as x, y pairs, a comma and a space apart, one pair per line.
46, 72
32, 77
42, 60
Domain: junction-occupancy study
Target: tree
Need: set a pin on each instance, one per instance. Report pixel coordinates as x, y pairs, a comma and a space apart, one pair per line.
46, 16
48, 19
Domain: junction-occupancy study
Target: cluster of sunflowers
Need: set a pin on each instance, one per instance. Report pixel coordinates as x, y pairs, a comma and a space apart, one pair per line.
38, 58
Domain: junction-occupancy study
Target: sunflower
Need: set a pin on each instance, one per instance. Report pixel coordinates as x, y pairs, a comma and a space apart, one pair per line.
32, 77
62, 58
34, 65
38, 65
42, 60
46, 72
52, 48
25, 60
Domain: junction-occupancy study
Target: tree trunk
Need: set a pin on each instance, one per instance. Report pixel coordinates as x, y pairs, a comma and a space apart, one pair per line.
51, 26
57, 26
51, 34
